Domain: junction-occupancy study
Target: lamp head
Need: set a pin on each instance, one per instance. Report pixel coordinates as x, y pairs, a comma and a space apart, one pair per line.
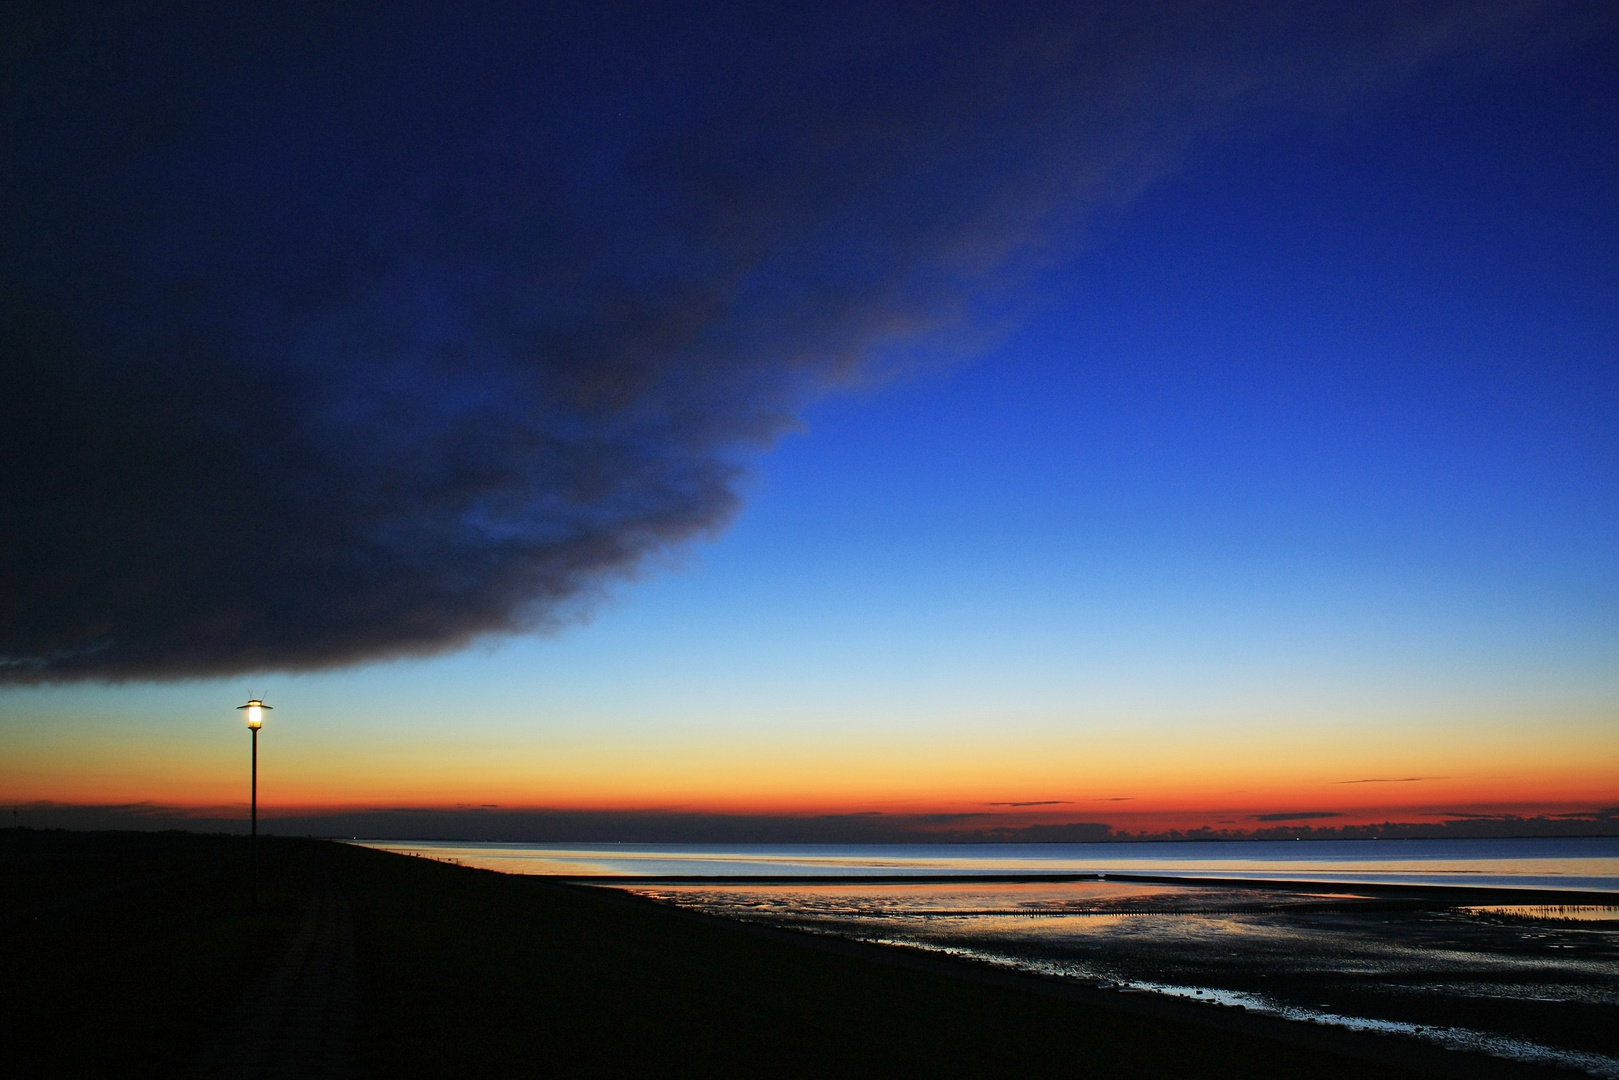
255, 713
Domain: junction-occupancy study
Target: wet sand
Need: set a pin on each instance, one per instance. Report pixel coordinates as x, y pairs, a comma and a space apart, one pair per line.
1518, 974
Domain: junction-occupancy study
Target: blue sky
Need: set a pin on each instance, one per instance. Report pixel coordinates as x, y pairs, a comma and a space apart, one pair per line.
1308, 451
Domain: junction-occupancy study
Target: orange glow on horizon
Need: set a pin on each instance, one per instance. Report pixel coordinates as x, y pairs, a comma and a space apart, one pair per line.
1139, 777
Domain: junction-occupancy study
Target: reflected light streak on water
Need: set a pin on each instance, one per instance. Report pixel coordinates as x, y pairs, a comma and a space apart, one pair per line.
1576, 864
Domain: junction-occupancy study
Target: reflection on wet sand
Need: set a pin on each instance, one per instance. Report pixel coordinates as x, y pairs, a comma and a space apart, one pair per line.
1533, 982
1555, 912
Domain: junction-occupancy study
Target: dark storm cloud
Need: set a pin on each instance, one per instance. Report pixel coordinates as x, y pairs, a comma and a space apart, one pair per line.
338, 332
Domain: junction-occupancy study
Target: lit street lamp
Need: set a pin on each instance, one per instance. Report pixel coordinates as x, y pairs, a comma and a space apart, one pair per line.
255, 720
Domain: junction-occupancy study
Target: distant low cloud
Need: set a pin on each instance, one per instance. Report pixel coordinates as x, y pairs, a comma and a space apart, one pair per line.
1303, 815
1037, 802
333, 333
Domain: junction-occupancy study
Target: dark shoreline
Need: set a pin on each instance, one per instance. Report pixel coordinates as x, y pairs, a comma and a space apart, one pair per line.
455, 971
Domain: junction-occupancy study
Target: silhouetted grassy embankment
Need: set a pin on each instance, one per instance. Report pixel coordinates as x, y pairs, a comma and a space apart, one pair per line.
124, 953
126, 948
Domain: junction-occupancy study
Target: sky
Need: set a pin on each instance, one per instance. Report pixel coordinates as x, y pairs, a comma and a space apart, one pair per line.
1141, 417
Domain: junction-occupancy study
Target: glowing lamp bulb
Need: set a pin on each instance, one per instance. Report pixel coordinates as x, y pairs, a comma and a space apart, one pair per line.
255, 716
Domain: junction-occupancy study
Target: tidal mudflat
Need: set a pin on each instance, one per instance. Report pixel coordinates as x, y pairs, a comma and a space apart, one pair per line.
1527, 980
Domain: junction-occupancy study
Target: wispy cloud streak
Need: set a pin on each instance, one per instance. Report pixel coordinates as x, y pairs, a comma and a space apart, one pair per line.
1393, 780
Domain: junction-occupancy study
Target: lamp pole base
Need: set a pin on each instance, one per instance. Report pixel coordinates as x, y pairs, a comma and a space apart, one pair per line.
255, 817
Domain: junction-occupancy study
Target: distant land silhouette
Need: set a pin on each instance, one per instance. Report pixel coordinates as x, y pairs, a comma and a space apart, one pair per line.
494, 823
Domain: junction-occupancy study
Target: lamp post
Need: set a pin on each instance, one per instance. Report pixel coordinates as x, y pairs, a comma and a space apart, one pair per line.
255, 720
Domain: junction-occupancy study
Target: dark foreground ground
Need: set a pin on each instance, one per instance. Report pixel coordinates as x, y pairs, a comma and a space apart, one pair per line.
139, 953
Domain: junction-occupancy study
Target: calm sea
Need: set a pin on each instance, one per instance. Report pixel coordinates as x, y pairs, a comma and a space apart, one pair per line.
1575, 864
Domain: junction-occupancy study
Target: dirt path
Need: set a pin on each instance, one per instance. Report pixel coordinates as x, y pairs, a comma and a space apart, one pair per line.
299, 1022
